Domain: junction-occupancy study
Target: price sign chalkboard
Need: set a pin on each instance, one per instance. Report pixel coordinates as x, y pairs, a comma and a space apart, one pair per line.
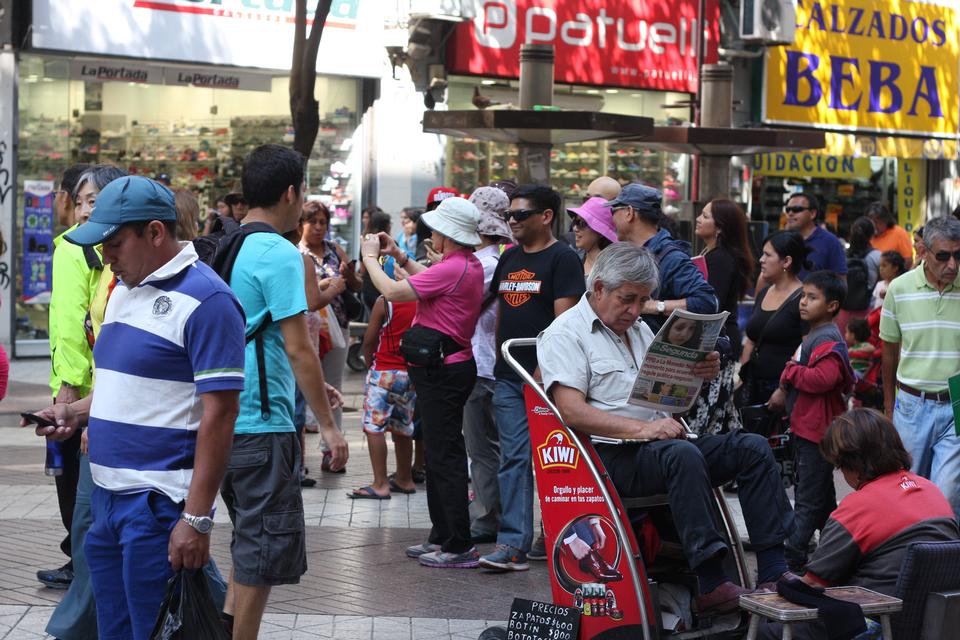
532, 620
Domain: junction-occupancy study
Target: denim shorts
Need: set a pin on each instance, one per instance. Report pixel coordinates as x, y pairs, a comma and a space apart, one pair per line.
262, 492
388, 402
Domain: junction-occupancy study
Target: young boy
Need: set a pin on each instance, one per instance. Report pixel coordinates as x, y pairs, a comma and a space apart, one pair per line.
815, 382
388, 400
861, 351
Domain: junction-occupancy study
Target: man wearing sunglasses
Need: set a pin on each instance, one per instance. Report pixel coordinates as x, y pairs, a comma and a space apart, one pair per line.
535, 281
826, 250
921, 352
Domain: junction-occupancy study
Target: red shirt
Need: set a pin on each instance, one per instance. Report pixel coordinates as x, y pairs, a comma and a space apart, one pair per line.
399, 318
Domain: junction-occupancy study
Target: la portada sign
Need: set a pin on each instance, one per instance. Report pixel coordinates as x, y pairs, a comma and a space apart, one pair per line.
870, 66
644, 44
255, 34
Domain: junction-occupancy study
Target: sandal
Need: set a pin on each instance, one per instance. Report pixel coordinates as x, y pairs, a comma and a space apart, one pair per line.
395, 488
366, 493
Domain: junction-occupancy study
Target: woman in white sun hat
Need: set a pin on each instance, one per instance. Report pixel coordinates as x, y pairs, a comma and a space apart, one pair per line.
440, 364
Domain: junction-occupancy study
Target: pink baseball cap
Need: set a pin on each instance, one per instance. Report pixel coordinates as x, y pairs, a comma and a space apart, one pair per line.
597, 216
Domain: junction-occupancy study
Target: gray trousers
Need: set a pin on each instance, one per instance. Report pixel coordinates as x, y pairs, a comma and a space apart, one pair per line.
483, 448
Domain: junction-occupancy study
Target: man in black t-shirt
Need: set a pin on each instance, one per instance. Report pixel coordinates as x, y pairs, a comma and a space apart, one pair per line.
535, 281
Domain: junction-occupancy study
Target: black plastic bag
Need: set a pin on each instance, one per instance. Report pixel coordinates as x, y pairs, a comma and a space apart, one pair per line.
188, 612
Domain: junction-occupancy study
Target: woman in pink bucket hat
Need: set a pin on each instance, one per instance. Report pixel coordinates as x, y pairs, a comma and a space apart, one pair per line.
593, 227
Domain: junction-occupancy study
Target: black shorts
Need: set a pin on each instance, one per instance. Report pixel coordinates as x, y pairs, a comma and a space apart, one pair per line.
262, 492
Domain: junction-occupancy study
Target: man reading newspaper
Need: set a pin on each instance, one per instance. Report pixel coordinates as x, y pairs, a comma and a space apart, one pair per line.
590, 359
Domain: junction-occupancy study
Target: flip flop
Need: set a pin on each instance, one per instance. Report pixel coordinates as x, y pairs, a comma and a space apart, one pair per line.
395, 488
366, 493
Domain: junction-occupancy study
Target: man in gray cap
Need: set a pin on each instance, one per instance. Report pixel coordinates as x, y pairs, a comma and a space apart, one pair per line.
172, 330
637, 216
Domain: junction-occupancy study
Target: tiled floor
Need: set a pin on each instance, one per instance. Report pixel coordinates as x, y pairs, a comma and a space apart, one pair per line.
359, 584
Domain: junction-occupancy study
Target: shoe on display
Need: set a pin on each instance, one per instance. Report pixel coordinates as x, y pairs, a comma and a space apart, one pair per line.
505, 558
469, 559
420, 549
538, 550
56, 578
594, 564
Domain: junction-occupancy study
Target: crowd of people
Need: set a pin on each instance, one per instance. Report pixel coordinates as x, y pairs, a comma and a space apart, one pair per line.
243, 329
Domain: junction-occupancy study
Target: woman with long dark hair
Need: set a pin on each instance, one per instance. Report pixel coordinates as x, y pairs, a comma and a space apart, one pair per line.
723, 228
775, 329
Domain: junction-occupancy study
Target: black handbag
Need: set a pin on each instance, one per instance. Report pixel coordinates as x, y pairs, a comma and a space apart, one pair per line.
352, 305
422, 346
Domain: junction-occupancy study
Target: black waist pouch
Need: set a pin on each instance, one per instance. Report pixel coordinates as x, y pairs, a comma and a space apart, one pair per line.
422, 346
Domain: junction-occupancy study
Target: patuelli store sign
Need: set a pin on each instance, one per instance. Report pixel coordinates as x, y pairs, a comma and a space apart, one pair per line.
642, 44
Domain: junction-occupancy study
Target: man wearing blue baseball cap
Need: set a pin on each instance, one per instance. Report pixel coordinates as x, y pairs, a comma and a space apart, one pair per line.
637, 216
173, 331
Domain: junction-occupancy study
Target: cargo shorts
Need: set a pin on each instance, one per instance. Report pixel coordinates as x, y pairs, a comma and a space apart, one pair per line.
262, 492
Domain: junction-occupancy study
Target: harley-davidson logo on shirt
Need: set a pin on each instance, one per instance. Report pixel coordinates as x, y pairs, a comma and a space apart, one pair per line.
518, 287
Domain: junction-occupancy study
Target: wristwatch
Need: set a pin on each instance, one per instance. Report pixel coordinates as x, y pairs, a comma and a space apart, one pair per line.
661, 307
202, 524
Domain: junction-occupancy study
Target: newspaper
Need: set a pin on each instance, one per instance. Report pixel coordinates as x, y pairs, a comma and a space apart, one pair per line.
666, 381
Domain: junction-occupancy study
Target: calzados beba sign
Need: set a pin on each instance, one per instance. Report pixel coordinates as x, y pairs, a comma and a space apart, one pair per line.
873, 66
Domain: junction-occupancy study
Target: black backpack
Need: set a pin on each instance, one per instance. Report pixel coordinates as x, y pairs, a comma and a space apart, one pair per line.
207, 245
220, 252
858, 285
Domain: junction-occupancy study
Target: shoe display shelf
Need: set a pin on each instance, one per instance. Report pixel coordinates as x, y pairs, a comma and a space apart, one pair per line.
467, 164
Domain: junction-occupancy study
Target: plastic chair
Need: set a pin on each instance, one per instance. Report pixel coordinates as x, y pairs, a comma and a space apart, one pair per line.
928, 567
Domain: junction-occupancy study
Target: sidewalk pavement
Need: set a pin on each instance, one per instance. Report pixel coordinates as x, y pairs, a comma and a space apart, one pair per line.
359, 584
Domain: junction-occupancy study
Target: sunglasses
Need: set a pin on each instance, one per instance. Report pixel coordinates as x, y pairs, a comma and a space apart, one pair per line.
943, 256
578, 223
795, 209
520, 214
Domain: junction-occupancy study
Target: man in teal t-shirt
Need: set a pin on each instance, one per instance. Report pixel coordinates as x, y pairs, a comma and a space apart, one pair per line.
265, 267
262, 485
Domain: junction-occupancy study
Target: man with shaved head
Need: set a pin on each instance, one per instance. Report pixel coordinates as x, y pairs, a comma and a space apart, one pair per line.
603, 187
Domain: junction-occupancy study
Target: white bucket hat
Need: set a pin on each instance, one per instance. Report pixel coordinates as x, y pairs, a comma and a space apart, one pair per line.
455, 218
492, 202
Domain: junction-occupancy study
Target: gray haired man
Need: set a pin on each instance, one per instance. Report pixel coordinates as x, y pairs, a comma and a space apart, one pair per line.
921, 352
590, 357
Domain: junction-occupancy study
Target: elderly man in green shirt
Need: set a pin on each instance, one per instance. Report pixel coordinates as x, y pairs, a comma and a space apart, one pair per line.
920, 329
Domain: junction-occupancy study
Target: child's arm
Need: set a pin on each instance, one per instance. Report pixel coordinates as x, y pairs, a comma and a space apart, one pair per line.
825, 375
374, 324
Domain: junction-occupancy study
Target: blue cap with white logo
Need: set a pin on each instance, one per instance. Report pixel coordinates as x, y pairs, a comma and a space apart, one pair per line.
126, 199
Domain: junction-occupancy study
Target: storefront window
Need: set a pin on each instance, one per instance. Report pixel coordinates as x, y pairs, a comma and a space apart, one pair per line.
194, 137
471, 163
845, 186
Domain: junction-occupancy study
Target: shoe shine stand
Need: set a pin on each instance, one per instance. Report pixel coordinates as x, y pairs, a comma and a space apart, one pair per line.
610, 586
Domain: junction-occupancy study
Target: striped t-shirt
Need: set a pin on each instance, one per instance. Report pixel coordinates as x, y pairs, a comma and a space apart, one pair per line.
926, 323
177, 335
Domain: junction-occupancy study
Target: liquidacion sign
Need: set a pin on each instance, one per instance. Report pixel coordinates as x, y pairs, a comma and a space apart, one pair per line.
860, 66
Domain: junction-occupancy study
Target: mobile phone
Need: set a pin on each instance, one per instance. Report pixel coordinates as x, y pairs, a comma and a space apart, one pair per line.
33, 418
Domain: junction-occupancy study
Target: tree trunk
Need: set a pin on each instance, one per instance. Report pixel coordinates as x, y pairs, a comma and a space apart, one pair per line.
304, 108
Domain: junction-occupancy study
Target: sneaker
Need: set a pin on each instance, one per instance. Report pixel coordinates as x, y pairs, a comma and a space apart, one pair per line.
57, 578
505, 558
418, 550
538, 550
445, 560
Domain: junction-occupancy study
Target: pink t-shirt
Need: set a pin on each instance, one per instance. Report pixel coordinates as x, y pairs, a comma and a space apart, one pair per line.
449, 296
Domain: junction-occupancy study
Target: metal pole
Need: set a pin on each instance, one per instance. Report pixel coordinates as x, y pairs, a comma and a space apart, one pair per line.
536, 89
716, 110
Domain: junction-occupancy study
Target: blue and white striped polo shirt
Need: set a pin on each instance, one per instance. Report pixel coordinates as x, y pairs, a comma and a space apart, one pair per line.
177, 335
